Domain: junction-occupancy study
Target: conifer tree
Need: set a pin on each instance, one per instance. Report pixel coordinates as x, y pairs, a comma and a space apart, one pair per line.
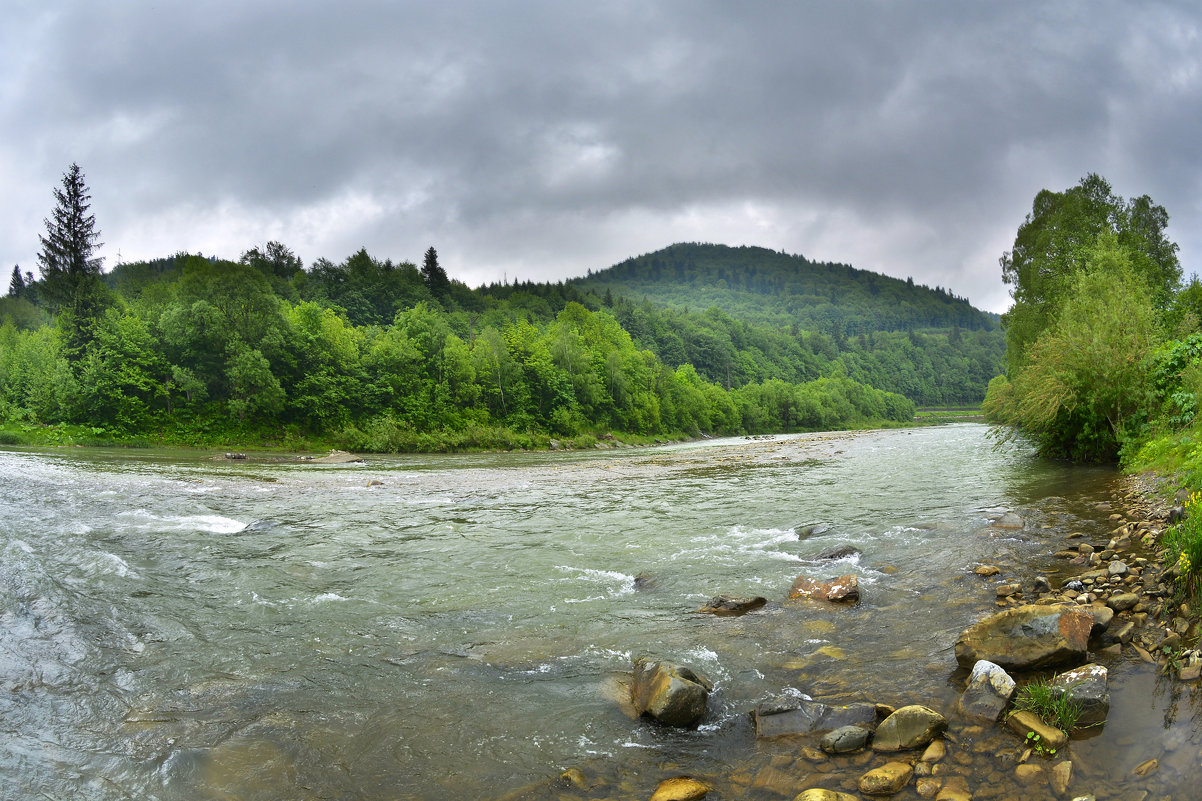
16, 286
435, 277
70, 271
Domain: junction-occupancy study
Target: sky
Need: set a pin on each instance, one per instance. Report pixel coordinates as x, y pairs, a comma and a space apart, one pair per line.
533, 140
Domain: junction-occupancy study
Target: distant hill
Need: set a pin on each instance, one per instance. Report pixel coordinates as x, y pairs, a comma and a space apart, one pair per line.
769, 287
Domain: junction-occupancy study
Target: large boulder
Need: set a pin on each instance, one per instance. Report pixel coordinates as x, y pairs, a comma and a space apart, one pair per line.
804, 716
990, 689
1089, 687
843, 589
1028, 637
672, 694
909, 727
731, 606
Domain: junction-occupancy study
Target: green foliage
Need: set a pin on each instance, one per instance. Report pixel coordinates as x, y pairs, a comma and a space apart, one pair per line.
1058, 240
1053, 706
1085, 380
1184, 543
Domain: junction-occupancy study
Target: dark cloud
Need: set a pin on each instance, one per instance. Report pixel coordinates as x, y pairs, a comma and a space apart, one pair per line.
540, 139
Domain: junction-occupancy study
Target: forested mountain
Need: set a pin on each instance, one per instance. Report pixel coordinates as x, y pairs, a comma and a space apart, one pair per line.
765, 286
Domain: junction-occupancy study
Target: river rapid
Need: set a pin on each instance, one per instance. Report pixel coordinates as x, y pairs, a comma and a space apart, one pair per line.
426, 627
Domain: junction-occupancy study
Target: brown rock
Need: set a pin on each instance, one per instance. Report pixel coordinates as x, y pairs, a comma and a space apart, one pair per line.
843, 589
819, 794
680, 788
987, 570
955, 789
1062, 774
1028, 637
672, 694
1029, 774
1023, 723
731, 606
1144, 768
928, 786
909, 727
888, 779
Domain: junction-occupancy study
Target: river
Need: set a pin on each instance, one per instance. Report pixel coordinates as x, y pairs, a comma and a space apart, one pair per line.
423, 627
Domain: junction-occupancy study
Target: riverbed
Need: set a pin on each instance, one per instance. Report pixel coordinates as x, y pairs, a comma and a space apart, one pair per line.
418, 627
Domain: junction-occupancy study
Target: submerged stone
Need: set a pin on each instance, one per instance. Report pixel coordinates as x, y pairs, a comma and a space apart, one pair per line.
845, 740
805, 716
731, 606
680, 788
888, 779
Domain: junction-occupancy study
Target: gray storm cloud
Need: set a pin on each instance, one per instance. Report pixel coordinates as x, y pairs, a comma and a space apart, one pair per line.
539, 140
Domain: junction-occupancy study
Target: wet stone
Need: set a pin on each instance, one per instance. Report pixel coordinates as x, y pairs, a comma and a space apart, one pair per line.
888, 779
845, 740
909, 727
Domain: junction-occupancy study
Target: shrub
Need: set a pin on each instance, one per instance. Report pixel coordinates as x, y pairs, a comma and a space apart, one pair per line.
1184, 542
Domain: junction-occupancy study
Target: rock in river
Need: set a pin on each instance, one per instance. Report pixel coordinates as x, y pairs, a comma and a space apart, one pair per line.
840, 552
989, 690
843, 589
672, 694
680, 788
909, 727
803, 716
845, 740
731, 606
1028, 637
888, 779
1089, 686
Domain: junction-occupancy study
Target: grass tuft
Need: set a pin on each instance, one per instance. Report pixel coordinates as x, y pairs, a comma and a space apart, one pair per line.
1052, 706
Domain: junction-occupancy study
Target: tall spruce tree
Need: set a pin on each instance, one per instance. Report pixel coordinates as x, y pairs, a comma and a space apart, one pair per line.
71, 283
435, 277
16, 285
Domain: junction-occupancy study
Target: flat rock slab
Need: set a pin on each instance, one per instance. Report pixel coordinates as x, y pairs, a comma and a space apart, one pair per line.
1028, 637
806, 717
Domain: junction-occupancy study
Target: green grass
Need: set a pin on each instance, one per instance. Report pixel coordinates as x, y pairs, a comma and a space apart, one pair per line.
1052, 707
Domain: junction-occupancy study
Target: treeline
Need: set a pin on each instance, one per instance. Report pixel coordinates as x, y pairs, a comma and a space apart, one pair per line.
770, 287
1104, 344
371, 355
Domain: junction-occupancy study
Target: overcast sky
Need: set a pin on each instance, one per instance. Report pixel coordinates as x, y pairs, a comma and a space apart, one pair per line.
536, 140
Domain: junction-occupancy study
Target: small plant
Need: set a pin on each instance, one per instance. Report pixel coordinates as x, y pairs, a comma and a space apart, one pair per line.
1053, 706
1036, 744
1184, 542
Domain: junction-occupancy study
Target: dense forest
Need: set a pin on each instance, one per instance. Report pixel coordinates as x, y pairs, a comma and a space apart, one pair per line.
782, 290
382, 355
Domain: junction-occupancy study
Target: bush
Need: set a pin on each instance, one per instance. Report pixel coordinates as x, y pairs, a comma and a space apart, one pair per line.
1184, 542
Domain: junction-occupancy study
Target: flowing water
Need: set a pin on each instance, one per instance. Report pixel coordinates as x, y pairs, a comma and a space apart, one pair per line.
420, 627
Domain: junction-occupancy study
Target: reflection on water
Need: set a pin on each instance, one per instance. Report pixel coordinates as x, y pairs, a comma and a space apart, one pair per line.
178, 628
